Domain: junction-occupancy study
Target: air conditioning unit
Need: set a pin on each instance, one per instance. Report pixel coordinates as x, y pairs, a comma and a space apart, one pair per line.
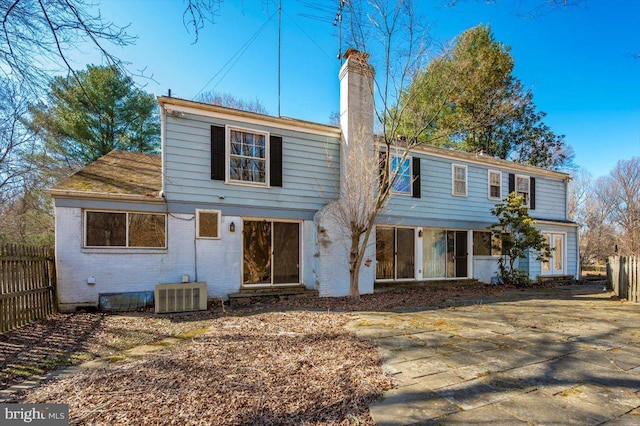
180, 297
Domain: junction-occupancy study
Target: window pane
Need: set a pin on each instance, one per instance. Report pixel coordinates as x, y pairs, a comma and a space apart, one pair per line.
146, 230
402, 183
406, 253
247, 170
558, 253
496, 244
208, 224
286, 253
106, 229
522, 184
434, 247
546, 265
256, 239
459, 180
494, 185
495, 192
247, 156
385, 249
481, 243
495, 178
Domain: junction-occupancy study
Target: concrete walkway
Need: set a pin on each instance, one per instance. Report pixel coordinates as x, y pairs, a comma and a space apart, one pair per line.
569, 355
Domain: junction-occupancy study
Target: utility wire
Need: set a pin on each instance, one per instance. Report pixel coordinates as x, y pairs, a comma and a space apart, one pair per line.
307, 35
236, 56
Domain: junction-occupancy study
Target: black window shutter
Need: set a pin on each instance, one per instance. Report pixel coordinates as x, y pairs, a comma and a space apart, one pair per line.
383, 168
275, 163
416, 177
217, 153
512, 182
532, 195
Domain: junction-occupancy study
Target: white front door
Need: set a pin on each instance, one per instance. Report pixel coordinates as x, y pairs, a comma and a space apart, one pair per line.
555, 264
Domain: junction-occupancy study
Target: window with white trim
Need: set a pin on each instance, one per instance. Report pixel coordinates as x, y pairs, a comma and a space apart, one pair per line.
125, 229
495, 185
208, 223
248, 157
523, 189
459, 180
402, 168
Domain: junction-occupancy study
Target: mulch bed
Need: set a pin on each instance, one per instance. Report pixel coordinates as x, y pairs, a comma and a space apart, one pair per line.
290, 361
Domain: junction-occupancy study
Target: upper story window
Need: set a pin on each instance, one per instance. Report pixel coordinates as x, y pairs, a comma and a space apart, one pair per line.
459, 180
125, 229
495, 185
248, 156
208, 223
523, 188
402, 169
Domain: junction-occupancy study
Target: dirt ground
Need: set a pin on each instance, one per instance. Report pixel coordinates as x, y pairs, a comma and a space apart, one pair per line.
291, 361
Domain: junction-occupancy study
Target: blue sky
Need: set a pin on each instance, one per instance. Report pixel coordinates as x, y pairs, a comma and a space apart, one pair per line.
578, 61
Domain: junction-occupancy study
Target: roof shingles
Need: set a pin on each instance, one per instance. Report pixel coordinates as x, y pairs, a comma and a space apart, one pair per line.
119, 173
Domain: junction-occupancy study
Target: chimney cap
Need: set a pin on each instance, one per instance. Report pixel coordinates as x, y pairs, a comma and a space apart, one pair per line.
356, 55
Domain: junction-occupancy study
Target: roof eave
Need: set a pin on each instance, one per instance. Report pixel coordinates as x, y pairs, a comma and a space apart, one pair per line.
66, 193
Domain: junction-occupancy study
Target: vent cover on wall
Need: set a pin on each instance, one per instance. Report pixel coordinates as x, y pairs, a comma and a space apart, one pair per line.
181, 297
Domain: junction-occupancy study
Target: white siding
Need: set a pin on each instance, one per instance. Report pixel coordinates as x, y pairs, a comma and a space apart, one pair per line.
438, 203
310, 168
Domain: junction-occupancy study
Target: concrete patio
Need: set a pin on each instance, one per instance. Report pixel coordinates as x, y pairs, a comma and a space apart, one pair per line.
566, 355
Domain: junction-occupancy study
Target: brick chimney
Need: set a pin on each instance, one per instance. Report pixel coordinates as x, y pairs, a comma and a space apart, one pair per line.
356, 102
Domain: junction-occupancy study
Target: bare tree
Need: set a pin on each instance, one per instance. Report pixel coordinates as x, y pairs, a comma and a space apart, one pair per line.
597, 234
17, 143
580, 190
37, 37
619, 194
231, 101
361, 200
398, 40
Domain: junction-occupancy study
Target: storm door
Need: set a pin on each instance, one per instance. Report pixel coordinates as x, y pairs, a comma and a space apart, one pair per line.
270, 253
457, 254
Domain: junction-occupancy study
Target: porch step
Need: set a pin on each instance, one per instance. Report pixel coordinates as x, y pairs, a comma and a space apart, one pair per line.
385, 286
557, 279
248, 296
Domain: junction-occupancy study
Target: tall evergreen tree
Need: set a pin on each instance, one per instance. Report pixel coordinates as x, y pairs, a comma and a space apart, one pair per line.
486, 108
94, 112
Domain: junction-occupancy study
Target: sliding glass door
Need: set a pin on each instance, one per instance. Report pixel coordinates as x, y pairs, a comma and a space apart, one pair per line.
270, 252
395, 253
444, 254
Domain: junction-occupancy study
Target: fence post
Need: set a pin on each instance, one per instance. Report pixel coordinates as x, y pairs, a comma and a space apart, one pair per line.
53, 279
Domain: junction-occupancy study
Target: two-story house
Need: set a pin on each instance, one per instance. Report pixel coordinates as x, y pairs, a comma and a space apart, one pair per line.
237, 200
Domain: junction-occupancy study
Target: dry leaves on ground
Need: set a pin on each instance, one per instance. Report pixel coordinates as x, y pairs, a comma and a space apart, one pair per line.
269, 368
66, 339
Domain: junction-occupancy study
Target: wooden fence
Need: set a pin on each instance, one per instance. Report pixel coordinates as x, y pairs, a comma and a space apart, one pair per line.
623, 274
27, 285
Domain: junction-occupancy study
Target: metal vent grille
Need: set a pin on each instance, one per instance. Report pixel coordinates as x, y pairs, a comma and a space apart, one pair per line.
180, 297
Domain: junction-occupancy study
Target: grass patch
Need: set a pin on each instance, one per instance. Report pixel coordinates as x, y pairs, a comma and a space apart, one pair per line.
191, 334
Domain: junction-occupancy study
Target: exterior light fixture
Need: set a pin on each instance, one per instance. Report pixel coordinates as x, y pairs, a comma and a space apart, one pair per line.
232, 227
420, 233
